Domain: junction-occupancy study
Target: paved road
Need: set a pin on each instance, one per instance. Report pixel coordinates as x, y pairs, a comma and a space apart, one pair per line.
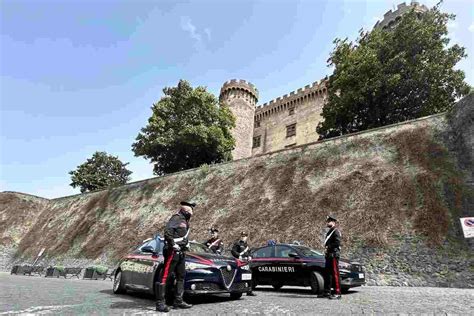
39, 295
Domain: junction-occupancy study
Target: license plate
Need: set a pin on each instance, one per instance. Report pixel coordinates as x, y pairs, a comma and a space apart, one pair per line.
361, 275
246, 276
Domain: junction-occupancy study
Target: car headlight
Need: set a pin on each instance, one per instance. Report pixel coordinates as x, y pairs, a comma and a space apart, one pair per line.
245, 267
194, 266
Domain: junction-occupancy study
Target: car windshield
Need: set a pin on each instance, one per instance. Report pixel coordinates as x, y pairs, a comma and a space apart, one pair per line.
197, 247
308, 252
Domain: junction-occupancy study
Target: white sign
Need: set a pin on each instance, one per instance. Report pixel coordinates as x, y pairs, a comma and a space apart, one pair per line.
467, 224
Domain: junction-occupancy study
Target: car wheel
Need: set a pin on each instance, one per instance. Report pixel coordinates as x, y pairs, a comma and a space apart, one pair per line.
118, 287
235, 296
317, 282
277, 286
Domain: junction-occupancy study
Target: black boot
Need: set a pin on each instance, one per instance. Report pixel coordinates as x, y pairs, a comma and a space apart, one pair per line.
251, 294
335, 297
178, 301
160, 298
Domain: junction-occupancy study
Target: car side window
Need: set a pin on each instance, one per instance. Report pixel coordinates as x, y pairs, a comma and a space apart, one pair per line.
159, 246
283, 251
153, 243
263, 253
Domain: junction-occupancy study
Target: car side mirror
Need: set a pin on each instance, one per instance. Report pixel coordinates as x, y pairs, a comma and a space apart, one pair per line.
293, 255
148, 249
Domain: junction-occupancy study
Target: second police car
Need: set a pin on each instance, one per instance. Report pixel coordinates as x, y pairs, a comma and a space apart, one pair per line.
206, 272
289, 264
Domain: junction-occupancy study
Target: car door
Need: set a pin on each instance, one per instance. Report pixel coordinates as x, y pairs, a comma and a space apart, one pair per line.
146, 263
262, 259
288, 270
130, 268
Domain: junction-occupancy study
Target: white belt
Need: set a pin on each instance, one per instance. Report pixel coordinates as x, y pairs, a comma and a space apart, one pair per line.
182, 238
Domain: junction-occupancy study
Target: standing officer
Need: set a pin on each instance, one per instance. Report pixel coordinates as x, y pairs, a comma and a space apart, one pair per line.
176, 243
215, 243
241, 251
332, 244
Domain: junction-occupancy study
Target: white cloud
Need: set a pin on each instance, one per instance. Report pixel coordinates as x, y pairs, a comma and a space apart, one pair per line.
188, 26
208, 33
471, 28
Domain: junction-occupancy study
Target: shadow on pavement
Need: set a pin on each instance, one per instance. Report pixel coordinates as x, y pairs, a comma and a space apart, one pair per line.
131, 300
137, 300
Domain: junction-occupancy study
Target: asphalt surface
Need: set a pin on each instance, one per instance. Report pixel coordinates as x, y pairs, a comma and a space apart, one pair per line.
39, 295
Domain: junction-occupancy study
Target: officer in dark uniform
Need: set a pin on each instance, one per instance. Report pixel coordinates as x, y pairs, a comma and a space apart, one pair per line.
215, 243
241, 251
176, 244
332, 245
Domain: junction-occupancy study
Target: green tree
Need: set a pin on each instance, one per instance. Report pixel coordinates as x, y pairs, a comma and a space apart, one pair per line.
393, 75
100, 172
187, 128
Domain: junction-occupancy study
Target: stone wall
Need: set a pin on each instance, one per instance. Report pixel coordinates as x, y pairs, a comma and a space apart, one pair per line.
302, 107
398, 192
390, 18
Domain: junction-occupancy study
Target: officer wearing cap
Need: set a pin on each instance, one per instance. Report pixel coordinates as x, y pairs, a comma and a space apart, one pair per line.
332, 245
215, 244
176, 243
241, 251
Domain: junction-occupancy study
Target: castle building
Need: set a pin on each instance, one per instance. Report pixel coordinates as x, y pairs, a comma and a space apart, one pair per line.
391, 18
288, 120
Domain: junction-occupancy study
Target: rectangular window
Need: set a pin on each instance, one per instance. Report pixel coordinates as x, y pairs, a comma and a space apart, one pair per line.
291, 111
257, 123
256, 141
291, 130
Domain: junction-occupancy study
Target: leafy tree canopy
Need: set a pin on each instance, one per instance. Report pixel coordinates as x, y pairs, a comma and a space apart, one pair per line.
100, 172
393, 75
187, 128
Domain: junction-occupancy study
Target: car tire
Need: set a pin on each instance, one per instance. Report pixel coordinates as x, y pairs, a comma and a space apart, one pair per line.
118, 286
235, 296
277, 286
316, 282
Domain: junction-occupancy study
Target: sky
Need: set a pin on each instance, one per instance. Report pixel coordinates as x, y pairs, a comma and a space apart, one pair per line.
81, 76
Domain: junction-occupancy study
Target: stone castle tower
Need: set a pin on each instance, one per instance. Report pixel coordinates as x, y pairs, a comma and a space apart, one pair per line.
391, 18
241, 97
289, 120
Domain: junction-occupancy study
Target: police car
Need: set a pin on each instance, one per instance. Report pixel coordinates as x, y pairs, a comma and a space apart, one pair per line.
206, 272
288, 264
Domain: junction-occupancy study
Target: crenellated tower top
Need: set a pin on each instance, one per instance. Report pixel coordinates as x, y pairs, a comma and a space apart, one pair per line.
390, 18
239, 85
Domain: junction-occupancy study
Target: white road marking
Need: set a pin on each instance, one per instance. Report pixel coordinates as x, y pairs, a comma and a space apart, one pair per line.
38, 309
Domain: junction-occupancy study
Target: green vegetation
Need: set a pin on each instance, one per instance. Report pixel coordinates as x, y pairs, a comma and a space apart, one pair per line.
100, 172
390, 76
188, 128
99, 269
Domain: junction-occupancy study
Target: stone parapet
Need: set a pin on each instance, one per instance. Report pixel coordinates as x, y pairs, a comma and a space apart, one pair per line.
390, 17
317, 89
239, 85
